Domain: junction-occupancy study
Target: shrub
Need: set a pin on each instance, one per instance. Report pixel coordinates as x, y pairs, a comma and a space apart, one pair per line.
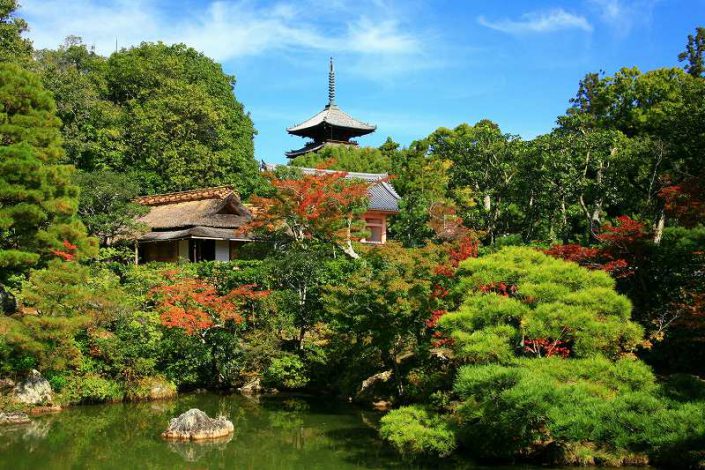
90, 388
519, 296
415, 431
588, 410
185, 360
286, 372
549, 372
150, 388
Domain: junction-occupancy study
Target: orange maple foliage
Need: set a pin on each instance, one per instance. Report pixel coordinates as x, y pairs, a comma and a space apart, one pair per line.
322, 206
196, 307
619, 254
68, 253
685, 201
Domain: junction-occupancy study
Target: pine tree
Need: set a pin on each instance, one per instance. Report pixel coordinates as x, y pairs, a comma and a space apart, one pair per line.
37, 199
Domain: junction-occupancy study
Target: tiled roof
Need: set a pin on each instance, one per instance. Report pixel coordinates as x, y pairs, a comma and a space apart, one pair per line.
334, 116
383, 197
310, 147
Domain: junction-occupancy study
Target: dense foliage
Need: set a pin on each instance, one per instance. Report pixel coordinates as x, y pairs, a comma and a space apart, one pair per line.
106, 205
13, 47
38, 201
506, 352
166, 114
363, 159
544, 348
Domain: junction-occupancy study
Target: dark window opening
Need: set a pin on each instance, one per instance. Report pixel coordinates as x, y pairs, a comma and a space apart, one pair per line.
201, 250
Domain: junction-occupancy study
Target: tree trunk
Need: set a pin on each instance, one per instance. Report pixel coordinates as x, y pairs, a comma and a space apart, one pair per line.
302, 334
302, 306
564, 216
595, 221
487, 202
347, 247
659, 225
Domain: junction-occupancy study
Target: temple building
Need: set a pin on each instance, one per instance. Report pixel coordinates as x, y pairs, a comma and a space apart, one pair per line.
331, 126
204, 224
198, 225
383, 200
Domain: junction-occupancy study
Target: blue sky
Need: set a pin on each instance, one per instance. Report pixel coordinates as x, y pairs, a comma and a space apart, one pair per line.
408, 66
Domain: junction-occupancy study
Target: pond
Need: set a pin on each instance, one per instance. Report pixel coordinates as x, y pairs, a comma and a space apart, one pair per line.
270, 433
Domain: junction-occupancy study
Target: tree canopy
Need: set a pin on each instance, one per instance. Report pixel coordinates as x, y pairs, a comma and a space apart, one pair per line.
13, 47
164, 112
694, 53
346, 158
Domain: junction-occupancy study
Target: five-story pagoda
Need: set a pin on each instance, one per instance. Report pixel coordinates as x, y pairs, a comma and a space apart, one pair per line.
332, 126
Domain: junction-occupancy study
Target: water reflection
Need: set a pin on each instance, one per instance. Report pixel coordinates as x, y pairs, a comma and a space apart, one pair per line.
270, 433
194, 451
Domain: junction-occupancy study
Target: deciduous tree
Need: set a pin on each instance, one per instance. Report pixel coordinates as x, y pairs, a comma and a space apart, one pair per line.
107, 207
694, 53
13, 47
325, 207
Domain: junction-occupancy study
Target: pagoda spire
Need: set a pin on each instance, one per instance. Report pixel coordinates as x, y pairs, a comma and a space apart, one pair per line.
331, 84
331, 126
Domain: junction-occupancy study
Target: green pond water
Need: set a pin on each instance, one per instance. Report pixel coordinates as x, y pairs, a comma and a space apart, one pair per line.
270, 433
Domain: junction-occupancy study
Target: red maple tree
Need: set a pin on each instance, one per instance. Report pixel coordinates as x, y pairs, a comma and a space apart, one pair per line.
196, 307
619, 253
463, 244
325, 206
685, 201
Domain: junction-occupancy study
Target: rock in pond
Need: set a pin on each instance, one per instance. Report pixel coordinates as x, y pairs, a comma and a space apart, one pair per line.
376, 388
34, 390
195, 425
16, 417
255, 387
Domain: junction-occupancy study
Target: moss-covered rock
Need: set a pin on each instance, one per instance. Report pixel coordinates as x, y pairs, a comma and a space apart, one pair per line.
195, 425
150, 388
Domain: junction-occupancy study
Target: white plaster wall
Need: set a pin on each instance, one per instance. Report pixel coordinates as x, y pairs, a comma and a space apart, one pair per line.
183, 250
222, 250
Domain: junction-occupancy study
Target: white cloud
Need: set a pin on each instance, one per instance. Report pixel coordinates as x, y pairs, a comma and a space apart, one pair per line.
380, 37
623, 15
610, 10
223, 30
539, 22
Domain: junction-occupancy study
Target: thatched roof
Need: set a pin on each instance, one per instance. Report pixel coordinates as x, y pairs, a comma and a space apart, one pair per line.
218, 192
215, 211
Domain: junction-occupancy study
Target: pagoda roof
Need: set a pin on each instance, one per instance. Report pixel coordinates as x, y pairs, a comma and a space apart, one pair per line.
333, 116
316, 146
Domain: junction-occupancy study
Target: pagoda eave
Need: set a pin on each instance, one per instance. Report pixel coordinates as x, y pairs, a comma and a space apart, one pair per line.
316, 146
326, 129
